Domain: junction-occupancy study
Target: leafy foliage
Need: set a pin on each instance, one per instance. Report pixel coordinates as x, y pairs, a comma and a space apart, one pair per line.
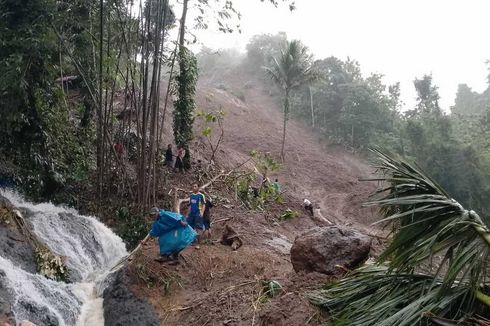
212, 129
33, 133
184, 105
291, 70
288, 214
429, 223
132, 228
50, 265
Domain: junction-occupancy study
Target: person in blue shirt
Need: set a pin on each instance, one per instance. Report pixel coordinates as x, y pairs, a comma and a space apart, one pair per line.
197, 204
172, 232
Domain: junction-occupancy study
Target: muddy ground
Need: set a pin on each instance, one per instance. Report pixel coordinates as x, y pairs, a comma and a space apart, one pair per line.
215, 285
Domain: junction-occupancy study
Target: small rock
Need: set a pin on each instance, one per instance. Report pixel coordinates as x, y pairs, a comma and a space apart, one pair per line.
322, 249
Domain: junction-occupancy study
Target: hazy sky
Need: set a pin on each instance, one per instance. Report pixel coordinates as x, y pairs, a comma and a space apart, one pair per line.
399, 39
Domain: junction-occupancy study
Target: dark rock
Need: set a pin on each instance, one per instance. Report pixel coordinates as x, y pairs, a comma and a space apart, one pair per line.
6, 314
39, 315
122, 307
321, 249
17, 249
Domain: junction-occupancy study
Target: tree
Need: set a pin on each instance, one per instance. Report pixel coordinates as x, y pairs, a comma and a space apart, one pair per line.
407, 286
292, 69
427, 96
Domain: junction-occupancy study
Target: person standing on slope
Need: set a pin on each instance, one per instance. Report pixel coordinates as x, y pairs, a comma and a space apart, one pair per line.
169, 156
197, 203
179, 161
207, 217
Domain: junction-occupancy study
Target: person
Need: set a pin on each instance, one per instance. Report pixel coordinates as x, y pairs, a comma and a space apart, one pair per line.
197, 203
308, 206
277, 186
119, 149
179, 161
173, 233
206, 217
169, 156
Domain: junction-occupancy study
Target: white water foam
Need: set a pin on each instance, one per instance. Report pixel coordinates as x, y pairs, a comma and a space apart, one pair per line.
90, 249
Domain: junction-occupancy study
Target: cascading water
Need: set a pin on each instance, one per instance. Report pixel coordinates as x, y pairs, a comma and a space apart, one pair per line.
90, 248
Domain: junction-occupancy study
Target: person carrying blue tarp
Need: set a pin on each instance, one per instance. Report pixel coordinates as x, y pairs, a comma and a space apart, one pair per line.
173, 233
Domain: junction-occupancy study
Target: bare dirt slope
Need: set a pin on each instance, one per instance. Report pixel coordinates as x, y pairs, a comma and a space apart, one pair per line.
327, 175
217, 286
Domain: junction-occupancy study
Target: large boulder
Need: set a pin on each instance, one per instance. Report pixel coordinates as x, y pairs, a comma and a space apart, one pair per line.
323, 248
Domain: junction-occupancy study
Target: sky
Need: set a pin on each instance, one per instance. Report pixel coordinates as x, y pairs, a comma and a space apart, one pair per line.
401, 40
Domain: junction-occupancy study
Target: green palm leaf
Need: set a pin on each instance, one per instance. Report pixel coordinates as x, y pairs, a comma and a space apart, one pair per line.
435, 264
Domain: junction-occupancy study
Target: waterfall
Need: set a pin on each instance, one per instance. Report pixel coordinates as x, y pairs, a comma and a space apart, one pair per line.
90, 250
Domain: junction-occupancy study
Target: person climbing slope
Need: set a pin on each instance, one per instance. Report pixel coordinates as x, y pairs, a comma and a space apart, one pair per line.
277, 186
308, 206
173, 233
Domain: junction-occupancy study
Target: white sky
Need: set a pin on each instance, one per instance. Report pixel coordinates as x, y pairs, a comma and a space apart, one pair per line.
399, 39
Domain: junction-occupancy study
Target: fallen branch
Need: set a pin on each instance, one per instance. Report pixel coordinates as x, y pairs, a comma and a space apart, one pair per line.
220, 220
126, 258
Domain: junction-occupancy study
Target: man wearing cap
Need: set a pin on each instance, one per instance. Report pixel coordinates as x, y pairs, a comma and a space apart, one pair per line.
173, 233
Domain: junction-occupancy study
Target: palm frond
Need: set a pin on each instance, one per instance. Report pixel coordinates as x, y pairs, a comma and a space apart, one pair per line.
431, 229
372, 295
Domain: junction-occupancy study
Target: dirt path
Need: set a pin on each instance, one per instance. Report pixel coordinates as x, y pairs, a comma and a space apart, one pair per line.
217, 286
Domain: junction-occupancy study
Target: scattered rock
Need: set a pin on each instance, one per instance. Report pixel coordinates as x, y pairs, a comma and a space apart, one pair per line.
122, 307
322, 249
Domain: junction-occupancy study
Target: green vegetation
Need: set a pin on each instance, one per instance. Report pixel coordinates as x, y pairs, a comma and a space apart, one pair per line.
36, 132
131, 227
212, 129
290, 71
288, 214
345, 107
408, 285
184, 105
50, 265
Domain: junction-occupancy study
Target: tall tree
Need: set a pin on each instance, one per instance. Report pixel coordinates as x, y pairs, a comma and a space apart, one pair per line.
292, 69
186, 88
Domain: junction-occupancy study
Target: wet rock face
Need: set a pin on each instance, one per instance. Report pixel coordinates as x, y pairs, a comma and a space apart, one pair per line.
122, 307
6, 315
321, 249
17, 249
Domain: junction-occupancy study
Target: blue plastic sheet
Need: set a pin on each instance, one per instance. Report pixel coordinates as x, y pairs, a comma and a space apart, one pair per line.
173, 236
176, 240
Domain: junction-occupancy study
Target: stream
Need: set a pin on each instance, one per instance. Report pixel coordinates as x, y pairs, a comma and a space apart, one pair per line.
91, 249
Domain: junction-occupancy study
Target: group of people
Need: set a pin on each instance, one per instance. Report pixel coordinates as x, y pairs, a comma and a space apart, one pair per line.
179, 158
177, 231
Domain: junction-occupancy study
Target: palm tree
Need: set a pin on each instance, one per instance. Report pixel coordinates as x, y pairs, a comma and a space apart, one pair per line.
291, 70
434, 271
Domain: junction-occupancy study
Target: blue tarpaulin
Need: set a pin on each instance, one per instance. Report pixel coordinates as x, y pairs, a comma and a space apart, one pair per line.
173, 236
